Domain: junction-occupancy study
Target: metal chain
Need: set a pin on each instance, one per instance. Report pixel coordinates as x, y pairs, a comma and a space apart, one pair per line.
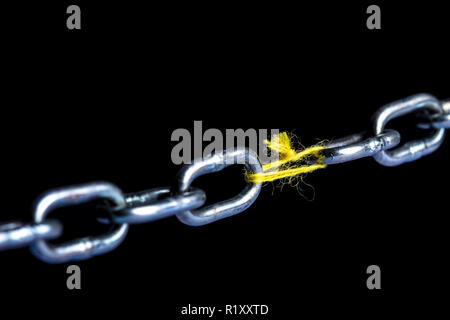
186, 202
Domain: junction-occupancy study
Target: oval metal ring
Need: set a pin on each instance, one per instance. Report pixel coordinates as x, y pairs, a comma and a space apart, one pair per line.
18, 234
84, 248
216, 163
415, 149
355, 147
155, 204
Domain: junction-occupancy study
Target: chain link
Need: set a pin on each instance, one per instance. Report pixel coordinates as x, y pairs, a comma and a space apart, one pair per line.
413, 150
185, 202
86, 247
358, 146
228, 207
155, 204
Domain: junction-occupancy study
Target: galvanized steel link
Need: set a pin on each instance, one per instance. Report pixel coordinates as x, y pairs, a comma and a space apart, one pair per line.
80, 248
216, 163
356, 146
157, 203
415, 149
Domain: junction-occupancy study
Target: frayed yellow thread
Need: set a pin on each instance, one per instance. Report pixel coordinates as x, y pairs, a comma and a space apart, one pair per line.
281, 144
271, 176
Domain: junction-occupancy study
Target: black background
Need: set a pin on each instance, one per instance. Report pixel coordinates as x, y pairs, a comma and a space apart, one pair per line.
101, 104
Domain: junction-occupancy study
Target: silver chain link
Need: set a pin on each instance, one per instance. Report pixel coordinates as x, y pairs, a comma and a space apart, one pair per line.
186, 202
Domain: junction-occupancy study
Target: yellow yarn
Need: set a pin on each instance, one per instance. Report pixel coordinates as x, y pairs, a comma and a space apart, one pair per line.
281, 144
